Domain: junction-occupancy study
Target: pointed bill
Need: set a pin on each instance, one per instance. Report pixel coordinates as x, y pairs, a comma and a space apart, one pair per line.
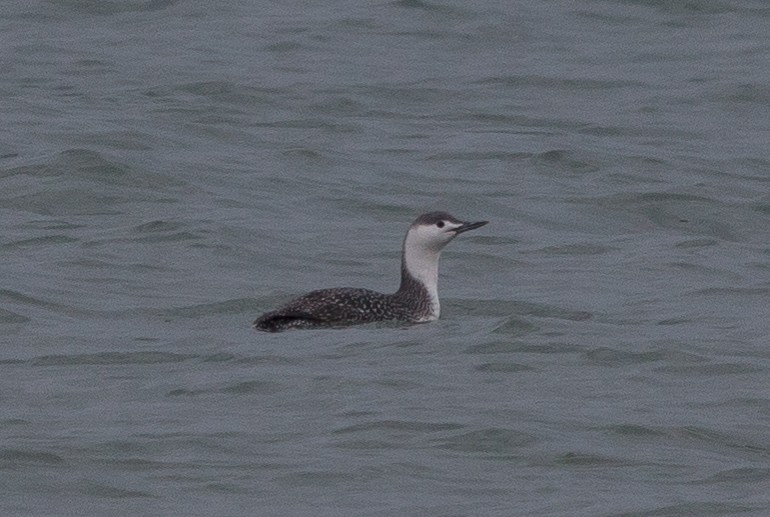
469, 226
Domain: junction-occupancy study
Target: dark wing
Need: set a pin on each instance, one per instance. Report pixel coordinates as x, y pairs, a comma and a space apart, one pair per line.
277, 321
323, 308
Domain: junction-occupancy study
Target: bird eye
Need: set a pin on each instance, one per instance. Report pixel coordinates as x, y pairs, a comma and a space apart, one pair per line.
440, 224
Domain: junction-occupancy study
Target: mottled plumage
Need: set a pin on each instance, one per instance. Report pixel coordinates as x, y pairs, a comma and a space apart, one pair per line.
415, 301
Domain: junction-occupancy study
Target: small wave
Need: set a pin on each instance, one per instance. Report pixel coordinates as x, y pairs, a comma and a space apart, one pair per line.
253, 387
111, 358
497, 441
398, 425
12, 457
711, 369
614, 357
503, 367
9, 317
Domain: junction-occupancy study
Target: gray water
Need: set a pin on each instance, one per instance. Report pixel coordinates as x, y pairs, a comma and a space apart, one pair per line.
171, 169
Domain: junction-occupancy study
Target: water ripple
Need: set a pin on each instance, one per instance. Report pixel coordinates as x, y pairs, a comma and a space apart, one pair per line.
148, 357
10, 458
494, 441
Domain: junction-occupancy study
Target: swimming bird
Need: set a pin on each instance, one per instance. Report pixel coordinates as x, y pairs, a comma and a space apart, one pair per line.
416, 300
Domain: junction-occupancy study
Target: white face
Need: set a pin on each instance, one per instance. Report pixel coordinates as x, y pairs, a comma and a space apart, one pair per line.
434, 236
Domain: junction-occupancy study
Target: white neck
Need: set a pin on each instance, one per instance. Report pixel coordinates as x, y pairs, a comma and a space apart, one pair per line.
421, 261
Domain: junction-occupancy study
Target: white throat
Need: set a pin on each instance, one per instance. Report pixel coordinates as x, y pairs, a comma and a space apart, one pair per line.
421, 261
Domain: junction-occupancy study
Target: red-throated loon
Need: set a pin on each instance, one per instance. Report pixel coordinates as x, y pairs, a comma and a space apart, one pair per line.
415, 301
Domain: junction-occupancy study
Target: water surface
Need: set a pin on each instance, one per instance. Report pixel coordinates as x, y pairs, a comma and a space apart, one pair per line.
169, 170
